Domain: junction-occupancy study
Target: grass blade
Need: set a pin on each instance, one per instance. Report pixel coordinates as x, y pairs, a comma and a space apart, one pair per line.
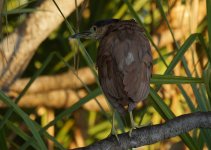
208, 4
73, 108
26, 119
181, 52
169, 79
3, 141
167, 114
135, 15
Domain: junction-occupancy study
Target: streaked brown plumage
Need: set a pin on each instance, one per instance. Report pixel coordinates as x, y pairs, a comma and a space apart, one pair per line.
124, 65
124, 62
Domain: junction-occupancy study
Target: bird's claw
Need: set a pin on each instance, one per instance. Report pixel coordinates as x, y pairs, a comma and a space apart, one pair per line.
135, 126
114, 132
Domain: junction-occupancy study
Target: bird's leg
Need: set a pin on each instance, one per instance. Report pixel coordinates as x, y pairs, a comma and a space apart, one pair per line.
130, 110
113, 129
133, 125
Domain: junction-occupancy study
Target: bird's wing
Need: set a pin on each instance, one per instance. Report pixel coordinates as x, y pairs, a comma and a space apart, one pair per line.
134, 59
108, 75
124, 65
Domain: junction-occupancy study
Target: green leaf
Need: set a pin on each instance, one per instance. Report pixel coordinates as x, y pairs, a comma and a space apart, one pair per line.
170, 79
136, 16
167, 114
3, 141
208, 5
182, 50
74, 107
26, 119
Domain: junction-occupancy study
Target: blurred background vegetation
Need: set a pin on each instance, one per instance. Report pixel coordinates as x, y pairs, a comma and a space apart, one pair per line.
55, 101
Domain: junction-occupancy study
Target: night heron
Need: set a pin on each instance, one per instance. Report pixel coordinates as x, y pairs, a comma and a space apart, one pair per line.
124, 62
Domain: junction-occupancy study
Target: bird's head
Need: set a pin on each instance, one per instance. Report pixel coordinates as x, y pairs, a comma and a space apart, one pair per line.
97, 31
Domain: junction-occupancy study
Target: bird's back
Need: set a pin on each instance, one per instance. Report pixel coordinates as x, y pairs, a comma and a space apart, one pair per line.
124, 65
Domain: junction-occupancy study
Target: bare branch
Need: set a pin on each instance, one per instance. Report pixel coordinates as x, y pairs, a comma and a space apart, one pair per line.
152, 134
67, 80
20, 46
59, 99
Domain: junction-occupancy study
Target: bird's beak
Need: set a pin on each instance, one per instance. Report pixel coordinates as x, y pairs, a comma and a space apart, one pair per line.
84, 35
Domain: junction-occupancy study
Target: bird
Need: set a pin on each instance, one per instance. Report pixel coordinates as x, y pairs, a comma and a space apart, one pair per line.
124, 63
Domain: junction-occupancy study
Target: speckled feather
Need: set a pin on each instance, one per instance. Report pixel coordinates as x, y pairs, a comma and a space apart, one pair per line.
124, 63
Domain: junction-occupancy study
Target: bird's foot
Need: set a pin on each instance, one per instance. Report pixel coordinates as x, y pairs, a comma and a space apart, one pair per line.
113, 129
135, 126
114, 132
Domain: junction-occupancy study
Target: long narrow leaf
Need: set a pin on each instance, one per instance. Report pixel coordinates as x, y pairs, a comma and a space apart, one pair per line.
20, 133
26, 119
135, 15
167, 114
181, 52
3, 141
73, 108
10, 111
169, 79
208, 3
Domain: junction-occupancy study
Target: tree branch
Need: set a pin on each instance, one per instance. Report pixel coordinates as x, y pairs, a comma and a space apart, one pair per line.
58, 99
152, 134
20, 46
67, 80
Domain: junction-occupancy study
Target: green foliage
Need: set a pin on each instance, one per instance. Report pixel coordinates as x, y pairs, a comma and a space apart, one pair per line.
98, 123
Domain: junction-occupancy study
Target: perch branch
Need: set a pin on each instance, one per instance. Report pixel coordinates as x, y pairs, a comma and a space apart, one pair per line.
152, 134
